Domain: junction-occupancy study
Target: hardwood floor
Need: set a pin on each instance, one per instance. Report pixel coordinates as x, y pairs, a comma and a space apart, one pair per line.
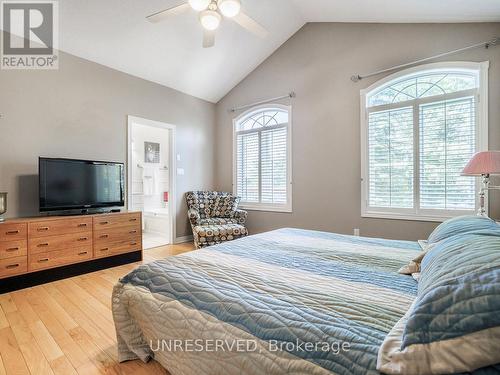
66, 327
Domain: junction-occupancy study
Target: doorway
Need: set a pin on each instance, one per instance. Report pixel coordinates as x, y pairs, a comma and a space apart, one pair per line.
151, 163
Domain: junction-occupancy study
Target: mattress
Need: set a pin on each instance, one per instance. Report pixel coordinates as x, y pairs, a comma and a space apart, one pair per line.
289, 301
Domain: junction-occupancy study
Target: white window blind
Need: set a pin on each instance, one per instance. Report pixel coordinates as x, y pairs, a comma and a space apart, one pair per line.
419, 131
447, 142
391, 164
248, 167
262, 165
273, 165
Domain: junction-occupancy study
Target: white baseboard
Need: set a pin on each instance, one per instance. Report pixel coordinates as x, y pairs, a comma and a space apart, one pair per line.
183, 239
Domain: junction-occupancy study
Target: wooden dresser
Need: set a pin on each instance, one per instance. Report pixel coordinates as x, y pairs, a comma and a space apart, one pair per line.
42, 243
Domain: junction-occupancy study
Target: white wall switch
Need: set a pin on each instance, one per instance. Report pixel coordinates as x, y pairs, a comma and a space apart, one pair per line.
178, 157
180, 171
356, 232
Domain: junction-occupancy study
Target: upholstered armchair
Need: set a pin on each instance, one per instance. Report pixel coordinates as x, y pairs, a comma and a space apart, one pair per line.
215, 217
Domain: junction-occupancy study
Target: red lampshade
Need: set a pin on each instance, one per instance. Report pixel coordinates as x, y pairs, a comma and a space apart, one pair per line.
487, 162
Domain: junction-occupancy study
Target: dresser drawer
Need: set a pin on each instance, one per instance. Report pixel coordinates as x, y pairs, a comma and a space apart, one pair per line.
110, 235
117, 221
119, 247
59, 226
13, 266
51, 259
11, 249
62, 242
13, 232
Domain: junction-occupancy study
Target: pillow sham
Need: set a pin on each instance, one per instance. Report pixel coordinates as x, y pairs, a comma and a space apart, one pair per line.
424, 244
414, 266
454, 323
461, 225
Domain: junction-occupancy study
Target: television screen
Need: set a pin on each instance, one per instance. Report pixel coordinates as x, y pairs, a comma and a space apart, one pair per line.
80, 184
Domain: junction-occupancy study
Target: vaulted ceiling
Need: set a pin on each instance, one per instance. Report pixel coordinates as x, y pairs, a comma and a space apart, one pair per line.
115, 33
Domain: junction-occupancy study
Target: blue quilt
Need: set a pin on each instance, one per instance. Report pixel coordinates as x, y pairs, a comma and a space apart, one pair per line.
296, 286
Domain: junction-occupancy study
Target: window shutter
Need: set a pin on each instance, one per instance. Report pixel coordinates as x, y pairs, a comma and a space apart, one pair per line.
447, 142
390, 152
420, 130
262, 159
247, 150
274, 165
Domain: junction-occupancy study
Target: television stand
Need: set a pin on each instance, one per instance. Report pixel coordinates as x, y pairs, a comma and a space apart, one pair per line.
54, 243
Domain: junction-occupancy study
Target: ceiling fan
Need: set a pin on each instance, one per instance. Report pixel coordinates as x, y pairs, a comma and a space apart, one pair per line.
210, 15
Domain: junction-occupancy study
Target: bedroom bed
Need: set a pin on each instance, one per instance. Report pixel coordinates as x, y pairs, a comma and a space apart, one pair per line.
288, 301
296, 301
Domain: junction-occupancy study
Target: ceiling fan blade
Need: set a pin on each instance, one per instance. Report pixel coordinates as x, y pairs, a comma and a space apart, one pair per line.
164, 14
250, 24
208, 38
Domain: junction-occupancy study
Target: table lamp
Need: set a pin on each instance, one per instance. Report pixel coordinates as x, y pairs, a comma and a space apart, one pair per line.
483, 164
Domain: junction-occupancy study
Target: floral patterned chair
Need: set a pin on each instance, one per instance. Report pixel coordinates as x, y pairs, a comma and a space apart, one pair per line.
215, 217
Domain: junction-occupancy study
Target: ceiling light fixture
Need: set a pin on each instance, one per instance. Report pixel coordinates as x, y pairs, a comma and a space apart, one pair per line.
229, 8
199, 5
210, 14
210, 19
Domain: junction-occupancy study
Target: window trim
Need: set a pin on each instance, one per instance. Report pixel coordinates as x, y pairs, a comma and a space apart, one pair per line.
287, 208
481, 142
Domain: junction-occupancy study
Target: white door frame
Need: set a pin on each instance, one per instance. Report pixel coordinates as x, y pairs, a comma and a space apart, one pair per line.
171, 166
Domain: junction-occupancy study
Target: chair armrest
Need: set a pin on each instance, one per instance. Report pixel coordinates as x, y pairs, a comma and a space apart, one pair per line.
240, 216
194, 216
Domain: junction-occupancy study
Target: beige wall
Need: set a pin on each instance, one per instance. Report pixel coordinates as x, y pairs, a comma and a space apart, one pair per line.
80, 111
317, 63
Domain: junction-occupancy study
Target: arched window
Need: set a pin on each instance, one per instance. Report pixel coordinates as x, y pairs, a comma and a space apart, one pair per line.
262, 158
419, 128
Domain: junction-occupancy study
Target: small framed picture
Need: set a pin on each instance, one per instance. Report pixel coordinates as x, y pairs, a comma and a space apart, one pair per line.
151, 152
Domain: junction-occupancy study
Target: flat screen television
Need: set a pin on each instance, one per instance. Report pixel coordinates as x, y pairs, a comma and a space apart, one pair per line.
70, 185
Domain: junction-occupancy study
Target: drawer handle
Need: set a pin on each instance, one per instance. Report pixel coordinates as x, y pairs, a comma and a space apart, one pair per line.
43, 244
133, 232
11, 266
10, 250
12, 232
133, 243
104, 222
83, 253
83, 239
43, 260
104, 236
82, 225
105, 249
42, 229
133, 219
